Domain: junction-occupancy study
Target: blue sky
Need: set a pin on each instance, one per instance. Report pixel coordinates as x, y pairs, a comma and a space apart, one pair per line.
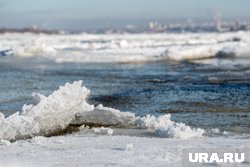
80, 14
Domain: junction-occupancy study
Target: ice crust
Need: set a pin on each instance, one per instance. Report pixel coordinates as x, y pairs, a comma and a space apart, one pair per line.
67, 105
103, 150
126, 47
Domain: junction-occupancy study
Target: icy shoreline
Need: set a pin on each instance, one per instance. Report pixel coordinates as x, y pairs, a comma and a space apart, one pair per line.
160, 144
93, 150
164, 140
122, 48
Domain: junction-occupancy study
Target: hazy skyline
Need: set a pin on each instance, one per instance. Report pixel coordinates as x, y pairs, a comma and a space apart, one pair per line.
81, 14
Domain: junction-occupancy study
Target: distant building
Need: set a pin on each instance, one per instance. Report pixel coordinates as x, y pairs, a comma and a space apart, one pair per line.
152, 25
217, 22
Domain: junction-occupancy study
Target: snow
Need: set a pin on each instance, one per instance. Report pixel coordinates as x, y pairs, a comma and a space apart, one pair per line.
102, 150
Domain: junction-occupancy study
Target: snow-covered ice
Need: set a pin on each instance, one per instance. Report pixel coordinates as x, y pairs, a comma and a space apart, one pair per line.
126, 47
92, 150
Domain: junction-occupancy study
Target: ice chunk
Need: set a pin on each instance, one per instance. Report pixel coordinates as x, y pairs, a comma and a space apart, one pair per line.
5, 142
165, 127
179, 131
129, 147
49, 115
103, 130
104, 116
68, 105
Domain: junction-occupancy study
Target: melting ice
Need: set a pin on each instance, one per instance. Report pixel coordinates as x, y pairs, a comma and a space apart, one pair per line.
68, 105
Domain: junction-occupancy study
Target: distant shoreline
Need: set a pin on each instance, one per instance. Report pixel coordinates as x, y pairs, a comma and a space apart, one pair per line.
29, 30
37, 30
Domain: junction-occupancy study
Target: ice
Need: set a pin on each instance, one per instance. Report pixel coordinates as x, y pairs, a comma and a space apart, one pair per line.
68, 106
165, 127
162, 125
152, 122
5, 52
181, 53
105, 48
242, 50
104, 116
5, 142
38, 48
82, 150
218, 50
129, 147
38, 140
48, 116
215, 130
103, 130
179, 131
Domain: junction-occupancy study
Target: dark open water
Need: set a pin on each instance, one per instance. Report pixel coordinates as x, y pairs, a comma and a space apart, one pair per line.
199, 95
